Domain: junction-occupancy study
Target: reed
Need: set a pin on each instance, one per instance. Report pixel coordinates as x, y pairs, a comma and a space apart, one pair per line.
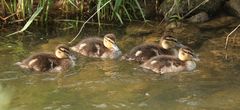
29, 22
27, 11
116, 10
174, 13
120, 10
227, 38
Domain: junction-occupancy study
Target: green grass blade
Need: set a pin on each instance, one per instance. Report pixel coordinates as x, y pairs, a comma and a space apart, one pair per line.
141, 11
89, 19
99, 12
23, 8
4, 2
71, 2
47, 10
133, 9
119, 17
128, 15
115, 12
117, 5
29, 22
14, 5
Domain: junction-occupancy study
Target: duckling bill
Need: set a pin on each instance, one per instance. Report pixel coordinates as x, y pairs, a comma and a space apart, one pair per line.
46, 62
98, 48
165, 63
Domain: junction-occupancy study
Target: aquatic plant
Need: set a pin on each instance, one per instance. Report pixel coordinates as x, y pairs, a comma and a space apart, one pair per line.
176, 11
27, 11
227, 38
21, 10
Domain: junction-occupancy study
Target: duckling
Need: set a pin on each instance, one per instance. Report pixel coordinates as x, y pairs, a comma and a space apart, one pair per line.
46, 62
98, 48
164, 63
144, 52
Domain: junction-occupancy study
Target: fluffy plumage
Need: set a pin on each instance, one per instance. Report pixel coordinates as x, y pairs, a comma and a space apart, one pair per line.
164, 63
144, 52
96, 47
46, 62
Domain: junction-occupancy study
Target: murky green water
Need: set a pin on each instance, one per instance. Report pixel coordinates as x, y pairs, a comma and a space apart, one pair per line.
119, 85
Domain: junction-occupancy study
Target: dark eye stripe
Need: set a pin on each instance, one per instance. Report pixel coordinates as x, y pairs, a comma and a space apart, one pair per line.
188, 52
64, 50
171, 39
110, 40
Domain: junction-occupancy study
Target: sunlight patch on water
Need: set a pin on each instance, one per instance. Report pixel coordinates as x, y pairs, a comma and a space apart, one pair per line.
5, 97
11, 75
113, 84
102, 106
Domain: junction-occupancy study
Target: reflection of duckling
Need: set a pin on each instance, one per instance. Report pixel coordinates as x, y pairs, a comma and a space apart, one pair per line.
144, 52
43, 62
96, 47
164, 63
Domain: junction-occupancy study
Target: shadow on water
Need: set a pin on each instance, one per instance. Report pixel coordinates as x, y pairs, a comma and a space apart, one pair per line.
113, 84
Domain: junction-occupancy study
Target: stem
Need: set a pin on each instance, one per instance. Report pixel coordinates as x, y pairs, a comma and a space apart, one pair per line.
227, 39
88, 20
205, 1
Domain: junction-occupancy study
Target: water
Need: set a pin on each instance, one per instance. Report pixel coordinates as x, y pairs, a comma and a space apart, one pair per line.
119, 85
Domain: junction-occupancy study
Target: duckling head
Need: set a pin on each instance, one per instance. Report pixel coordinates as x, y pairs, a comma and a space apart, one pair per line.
187, 54
109, 41
168, 42
62, 51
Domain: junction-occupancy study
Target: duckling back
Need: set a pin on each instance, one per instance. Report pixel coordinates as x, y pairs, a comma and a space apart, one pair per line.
39, 62
144, 52
165, 64
43, 62
94, 47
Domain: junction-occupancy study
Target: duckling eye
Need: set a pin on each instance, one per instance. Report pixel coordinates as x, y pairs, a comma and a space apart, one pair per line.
59, 52
110, 41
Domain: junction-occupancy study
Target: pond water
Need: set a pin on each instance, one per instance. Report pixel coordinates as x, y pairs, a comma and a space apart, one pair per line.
119, 85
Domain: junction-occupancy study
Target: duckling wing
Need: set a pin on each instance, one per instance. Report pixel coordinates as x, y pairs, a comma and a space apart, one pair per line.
162, 51
60, 65
38, 62
91, 47
163, 64
143, 52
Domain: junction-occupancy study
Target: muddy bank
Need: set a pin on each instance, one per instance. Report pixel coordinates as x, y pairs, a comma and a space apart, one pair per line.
207, 39
81, 10
191, 34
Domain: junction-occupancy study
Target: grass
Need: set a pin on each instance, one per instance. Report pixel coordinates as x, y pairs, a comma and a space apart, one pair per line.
116, 10
43, 11
29, 22
227, 38
174, 13
120, 10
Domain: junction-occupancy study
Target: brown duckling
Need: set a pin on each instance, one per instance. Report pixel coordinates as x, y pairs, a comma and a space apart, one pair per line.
164, 63
46, 62
144, 52
96, 47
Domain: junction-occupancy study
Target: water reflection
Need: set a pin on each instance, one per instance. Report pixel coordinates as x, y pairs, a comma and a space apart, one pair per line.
5, 97
113, 84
